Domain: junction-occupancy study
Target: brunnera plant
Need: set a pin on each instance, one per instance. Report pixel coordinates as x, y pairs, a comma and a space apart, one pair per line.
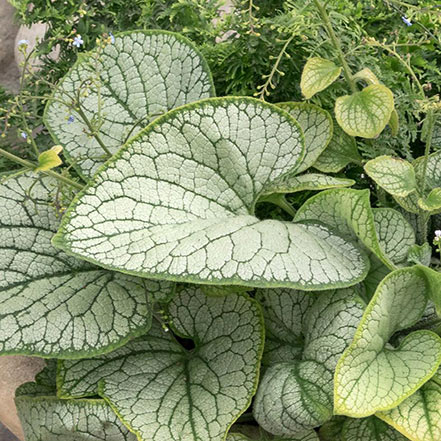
169, 310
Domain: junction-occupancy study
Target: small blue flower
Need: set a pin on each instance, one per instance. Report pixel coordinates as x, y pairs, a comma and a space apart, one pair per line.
22, 43
112, 38
78, 41
71, 119
24, 135
406, 20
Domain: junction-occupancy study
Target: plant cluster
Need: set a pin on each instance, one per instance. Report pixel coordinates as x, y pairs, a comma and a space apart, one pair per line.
199, 267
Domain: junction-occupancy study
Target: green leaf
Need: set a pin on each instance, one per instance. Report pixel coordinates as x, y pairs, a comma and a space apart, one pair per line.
306, 335
348, 212
317, 75
394, 175
49, 159
394, 123
332, 429
163, 391
120, 89
432, 202
309, 181
367, 76
399, 302
317, 127
420, 254
51, 304
419, 416
309, 436
341, 151
52, 419
185, 208
369, 429
436, 137
365, 113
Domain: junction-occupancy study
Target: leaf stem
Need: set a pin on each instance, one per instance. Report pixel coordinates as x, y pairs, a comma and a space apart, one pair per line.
336, 43
31, 166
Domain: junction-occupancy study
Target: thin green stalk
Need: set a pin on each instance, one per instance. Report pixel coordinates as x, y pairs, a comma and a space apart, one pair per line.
32, 166
336, 42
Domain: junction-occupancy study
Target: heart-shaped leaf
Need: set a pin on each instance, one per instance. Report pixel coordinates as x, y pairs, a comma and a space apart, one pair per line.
317, 127
365, 113
185, 208
369, 429
349, 212
166, 392
120, 89
373, 375
51, 304
52, 419
419, 416
306, 335
394, 175
341, 151
317, 75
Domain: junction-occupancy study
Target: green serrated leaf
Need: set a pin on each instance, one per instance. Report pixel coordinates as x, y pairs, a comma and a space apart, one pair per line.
121, 88
185, 208
49, 159
309, 181
399, 302
394, 175
349, 212
365, 113
163, 391
341, 151
420, 254
369, 429
317, 75
419, 416
51, 304
432, 202
52, 419
317, 126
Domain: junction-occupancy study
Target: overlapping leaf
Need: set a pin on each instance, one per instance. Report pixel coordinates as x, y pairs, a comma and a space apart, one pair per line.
165, 392
305, 338
372, 375
310, 436
369, 429
317, 75
365, 113
185, 208
120, 89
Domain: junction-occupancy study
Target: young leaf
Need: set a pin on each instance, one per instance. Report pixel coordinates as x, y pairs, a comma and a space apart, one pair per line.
394, 175
432, 202
349, 212
120, 89
310, 181
52, 419
419, 416
49, 159
365, 113
51, 304
360, 389
163, 391
317, 127
341, 151
185, 208
317, 75
369, 429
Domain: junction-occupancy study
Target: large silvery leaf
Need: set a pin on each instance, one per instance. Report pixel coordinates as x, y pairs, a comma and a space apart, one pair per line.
317, 75
52, 304
185, 208
122, 88
52, 419
419, 416
373, 375
365, 113
341, 151
306, 335
349, 212
369, 429
165, 392
394, 175
317, 127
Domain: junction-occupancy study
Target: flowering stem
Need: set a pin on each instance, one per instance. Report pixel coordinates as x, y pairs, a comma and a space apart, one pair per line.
31, 166
336, 42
